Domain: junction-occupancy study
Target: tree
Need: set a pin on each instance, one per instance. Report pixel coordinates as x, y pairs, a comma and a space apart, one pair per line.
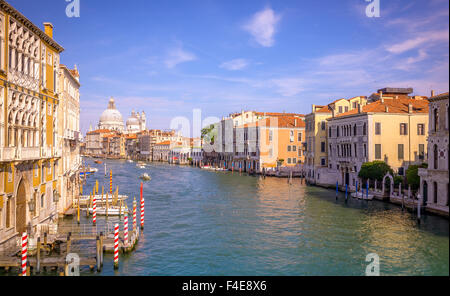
374, 170
209, 133
412, 175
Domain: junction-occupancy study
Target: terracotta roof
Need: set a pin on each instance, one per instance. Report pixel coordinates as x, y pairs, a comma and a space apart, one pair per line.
132, 136
393, 106
282, 122
324, 109
439, 97
163, 143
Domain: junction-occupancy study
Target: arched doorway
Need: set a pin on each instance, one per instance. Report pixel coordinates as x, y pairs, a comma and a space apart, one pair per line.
21, 208
347, 177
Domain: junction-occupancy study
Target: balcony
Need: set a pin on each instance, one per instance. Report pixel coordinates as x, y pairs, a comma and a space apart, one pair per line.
29, 153
7, 154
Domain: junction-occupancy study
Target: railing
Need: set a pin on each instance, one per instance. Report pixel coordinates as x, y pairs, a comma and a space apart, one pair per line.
29, 153
7, 154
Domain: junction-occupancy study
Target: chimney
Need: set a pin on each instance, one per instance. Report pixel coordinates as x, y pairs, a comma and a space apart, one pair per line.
295, 122
410, 108
313, 108
381, 97
432, 93
386, 109
49, 29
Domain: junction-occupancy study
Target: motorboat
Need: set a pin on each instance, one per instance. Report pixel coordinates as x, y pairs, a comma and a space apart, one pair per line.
362, 195
112, 211
145, 177
98, 162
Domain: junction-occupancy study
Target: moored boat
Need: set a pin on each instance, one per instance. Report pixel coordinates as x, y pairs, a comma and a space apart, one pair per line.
145, 177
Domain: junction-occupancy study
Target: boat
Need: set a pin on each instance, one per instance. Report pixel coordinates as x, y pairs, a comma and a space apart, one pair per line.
98, 162
362, 195
145, 177
130, 161
86, 199
88, 171
112, 211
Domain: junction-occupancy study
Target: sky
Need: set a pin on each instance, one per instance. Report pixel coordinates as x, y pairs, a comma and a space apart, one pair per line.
169, 57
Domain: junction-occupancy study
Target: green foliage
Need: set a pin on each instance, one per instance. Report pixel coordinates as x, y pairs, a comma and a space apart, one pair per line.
374, 170
412, 175
209, 133
398, 180
280, 161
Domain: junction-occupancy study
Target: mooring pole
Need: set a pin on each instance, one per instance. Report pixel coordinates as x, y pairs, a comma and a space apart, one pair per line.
346, 192
38, 256
337, 188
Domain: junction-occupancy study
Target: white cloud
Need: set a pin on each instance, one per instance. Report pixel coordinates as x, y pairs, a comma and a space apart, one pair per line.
236, 64
177, 56
288, 86
424, 38
262, 26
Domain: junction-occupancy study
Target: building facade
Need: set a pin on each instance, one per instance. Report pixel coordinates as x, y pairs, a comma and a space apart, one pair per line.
69, 139
29, 155
111, 118
434, 183
391, 129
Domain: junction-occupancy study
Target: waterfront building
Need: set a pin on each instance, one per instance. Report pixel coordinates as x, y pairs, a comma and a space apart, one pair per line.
273, 143
161, 151
131, 145
94, 142
180, 152
434, 183
29, 156
391, 128
197, 151
316, 158
69, 141
111, 118
114, 145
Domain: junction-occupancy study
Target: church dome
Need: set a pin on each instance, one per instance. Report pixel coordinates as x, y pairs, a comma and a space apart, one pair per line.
111, 117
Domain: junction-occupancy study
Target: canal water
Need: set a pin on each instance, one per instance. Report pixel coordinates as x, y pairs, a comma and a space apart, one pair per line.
199, 222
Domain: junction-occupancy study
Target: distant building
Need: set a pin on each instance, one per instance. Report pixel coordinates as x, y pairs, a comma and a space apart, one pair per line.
161, 151
136, 122
111, 118
434, 184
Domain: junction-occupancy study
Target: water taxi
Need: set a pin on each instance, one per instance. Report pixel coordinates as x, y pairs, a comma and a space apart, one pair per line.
145, 177
112, 211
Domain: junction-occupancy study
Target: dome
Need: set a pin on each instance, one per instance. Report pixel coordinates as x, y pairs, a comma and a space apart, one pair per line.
132, 121
111, 117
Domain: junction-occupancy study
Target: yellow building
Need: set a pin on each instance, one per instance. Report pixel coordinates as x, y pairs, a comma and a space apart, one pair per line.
316, 146
29, 62
392, 129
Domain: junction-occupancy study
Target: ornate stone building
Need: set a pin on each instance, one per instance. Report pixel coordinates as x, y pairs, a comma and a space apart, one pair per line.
136, 122
434, 185
29, 155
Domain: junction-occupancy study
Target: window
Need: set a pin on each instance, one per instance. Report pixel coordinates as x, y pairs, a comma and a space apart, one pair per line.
10, 175
421, 129
435, 157
377, 151
322, 161
340, 109
36, 170
354, 130
401, 171
356, 153
365, 150
323, 125
299, 151
289, 148
42, 173
270, 136
322, 147
294, 160
294, 148
337, 131
289, 160
400, 151
346, 109
364, 129
42, 201
436, 119
291, 138
435, 192
403, 128
377, 128
421, 151
8, 212
299, 135
329, 132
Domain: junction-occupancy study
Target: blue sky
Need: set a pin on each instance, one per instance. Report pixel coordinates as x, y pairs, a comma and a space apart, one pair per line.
169, 57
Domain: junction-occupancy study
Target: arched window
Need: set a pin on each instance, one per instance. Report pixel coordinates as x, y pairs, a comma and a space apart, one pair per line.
435, 157
435, 192
436, 119
364, 129
354, 130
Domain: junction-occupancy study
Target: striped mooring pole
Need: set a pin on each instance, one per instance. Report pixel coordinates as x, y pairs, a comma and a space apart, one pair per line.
142, 208
125, 227
116, 246
134, 214
24, 253
94, 210
110, 181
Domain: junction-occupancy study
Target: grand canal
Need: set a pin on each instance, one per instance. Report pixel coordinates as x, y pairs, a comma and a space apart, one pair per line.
221, 223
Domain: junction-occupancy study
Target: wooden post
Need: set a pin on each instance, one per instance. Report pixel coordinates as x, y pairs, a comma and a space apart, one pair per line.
99, 267
102, 193
68, 242
101, 249
107, 205
45, 239
38, 256
78, 210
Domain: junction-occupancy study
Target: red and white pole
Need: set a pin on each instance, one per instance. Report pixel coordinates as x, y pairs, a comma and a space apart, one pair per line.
134, 214
24, 253
142, 208
94, 210
116, 246
125, 227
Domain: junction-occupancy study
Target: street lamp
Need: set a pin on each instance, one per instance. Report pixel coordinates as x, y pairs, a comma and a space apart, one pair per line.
56, 196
